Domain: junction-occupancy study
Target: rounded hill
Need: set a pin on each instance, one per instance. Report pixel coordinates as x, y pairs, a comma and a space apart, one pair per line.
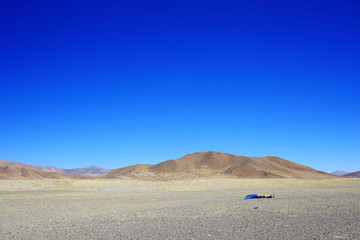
218, 164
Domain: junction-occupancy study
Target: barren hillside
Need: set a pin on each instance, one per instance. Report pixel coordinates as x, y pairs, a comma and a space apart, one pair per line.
11, 172
19, 164
86, 171
217, 164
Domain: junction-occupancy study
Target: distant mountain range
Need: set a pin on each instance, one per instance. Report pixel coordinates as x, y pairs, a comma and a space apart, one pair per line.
19, 164
217, 164
353, 174
192, 166
13, 172
340, 173
86, 171
89, 171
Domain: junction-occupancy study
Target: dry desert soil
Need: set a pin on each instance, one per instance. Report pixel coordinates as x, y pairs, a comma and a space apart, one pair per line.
201, 209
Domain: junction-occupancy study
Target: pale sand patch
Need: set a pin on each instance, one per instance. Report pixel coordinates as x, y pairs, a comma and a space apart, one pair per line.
144, 186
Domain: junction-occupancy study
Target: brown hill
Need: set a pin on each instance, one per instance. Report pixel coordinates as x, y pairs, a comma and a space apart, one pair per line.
353, 175
86, 171
19, 164
11, 172
217, 164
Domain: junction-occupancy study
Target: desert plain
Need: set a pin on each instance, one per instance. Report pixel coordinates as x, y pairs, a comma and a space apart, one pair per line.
192, 209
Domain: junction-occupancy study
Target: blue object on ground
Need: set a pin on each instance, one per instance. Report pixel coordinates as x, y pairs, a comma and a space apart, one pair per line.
251, 196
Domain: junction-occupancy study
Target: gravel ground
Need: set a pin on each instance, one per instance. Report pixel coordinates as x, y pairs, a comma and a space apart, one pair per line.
295, 213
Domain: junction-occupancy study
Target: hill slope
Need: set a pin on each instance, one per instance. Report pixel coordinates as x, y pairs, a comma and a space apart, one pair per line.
86, 171
19, 164
353, 174
217, 164
11, 172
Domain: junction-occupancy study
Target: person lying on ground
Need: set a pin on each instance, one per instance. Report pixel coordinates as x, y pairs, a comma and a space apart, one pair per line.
259, 196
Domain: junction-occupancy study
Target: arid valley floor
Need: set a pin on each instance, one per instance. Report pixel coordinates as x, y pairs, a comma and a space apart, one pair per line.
199, 209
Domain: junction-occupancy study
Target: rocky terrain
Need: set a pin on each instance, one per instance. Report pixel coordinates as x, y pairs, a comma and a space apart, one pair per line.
305, 211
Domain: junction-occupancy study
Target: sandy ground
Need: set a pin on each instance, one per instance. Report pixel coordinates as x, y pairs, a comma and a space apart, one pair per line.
203, 209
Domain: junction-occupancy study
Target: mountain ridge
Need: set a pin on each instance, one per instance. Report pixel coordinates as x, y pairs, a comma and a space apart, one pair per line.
352, 174
89, 171
85, 171
218, 164
191, 166
15, 172
340, 173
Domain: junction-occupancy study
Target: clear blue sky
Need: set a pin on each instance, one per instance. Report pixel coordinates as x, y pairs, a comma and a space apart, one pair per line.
115, 83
